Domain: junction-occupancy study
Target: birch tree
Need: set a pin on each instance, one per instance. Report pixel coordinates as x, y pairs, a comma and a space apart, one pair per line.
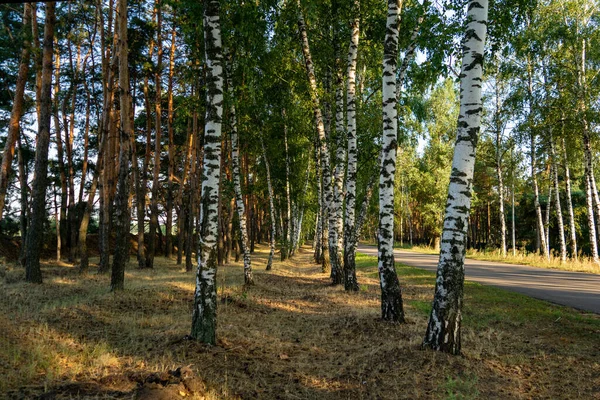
271, 206
237, 186
350, 282
444, 326
391, 295
327, 190
204, 317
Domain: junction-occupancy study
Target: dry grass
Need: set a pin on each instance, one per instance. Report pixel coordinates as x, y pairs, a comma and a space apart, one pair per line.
583, 264
291, 336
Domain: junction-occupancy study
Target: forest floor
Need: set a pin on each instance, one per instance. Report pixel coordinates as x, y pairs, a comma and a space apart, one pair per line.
290, 336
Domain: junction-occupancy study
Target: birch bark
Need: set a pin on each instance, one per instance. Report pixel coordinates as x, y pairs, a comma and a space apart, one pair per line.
444, 327
237, 186
204, 317
350, 282
271, 206
391, 294
572, 231
559, 216
324, 151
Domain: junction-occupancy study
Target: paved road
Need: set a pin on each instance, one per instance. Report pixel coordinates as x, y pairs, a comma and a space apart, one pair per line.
574, 289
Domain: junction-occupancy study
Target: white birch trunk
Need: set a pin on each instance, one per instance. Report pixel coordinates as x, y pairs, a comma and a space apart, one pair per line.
287, 234
237, 187
592, 200
271, 206
318, 255
335, 215
391, 294
444, 327
499, 172
547, 223
204, 317
572, 230
536, 199
559, 216
324, 151
300, 216
350, 282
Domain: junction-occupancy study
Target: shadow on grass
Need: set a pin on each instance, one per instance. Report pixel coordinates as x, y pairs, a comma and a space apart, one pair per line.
294, 336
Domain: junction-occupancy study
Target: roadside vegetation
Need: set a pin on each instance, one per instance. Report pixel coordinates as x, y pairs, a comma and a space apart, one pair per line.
582, 264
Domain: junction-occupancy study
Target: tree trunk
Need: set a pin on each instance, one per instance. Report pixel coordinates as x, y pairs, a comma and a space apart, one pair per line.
499, 172
204, 317
318, 253
300, 216
538, 208
559, 216
154, 224
271, 206
122, 212
324, 152
35, 236
239, 200
350, 281
60, 150
184, 212
24, 215
171, 147
547, 222
589, 199
108, 67
391, 295
572, 230
512, 194
444, 327
195, 159
287, 221
83, 227
592, 201
336, 216
16, 112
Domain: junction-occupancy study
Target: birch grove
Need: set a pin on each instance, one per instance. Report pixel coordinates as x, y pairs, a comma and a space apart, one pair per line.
128, 146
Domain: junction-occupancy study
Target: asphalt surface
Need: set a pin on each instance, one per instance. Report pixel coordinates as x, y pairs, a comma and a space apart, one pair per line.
574, 289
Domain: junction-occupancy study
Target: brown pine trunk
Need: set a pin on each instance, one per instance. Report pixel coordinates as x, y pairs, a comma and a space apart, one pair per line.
35, 234
154, 224
122, 212
108, 68
171, 147
16, 112
24, 215
62, 219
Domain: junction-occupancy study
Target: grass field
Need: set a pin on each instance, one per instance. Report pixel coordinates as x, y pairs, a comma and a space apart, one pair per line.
291, 336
